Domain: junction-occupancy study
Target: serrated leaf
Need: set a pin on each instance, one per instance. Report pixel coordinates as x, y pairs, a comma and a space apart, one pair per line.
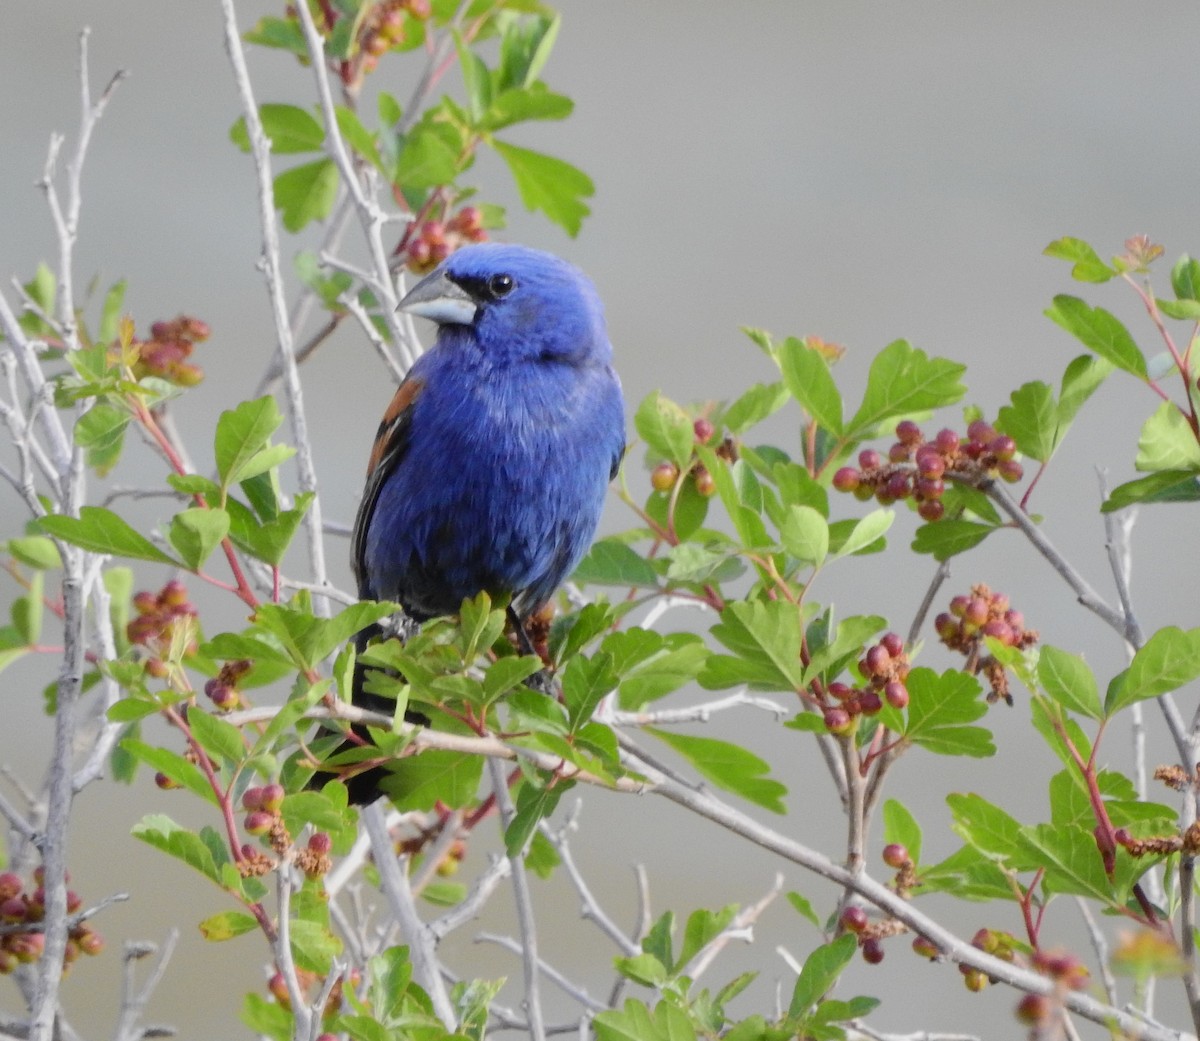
988, 829
611, 562
938, 708
555, 187
904, 380
306, 193
1032, 420
754, 405
808, 379
1087, 265
1167, 442
1168, 660
160, 831
1070, 860
242, 432
766, 637
533, 804
520, 104
728, 766
1067, 679
666, 429
1099, 331
947, 538
419, 782
428, 158
284, 33
102, 531
221, 740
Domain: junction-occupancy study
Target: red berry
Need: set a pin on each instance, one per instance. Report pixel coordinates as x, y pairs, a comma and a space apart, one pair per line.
929, 462
706, 485
958, 606
869, 459
1015, 619
899, 453
145, 602
896, 856
872, 951
931, 510
999, 630
703, 430
13, 909
899, 485
1010, 470
10, 886
838, 721
945, 626
930, 489
908, 432
272, 797
877, 660
846, 479
925, 948
981, 431
252, 798
946, 441
320, 843
469, 218
869, 703
896, 694
841, 691
854, 919
258, 822
1033, 1009
893, 644
977, 611
1002, 447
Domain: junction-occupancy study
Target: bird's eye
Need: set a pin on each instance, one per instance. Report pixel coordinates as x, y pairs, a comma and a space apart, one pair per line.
501, 285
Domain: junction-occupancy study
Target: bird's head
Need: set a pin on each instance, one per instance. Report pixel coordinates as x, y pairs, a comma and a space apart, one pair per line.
516, 303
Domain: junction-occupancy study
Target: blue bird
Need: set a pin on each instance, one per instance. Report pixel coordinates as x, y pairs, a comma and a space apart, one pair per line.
491, 464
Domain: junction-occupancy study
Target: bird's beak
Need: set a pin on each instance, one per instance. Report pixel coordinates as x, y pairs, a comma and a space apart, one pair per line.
438, 298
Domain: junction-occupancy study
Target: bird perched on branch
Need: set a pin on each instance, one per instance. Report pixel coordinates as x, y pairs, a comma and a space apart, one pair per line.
491, 464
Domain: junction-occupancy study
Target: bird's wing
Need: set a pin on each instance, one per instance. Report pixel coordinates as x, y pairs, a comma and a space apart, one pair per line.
391, 445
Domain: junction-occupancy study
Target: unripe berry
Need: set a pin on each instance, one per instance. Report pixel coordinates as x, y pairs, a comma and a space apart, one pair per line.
869, 703
1033, 1009
945, 626
705, 483
841, 691
896, 694
895, 855
925, 948
930, 463
164, 782
893, 644
1002, 447
12, 909
1015, 619
958, 606
999, 630
469, 218
74, 901
10, 886
930, 489
908, 432
703, 430
252, 798
975, 980
899, 453
899, 485
277, 985
223, 696
663, 477
946, 441
872, 951
863, 492
869, 459
8, 962
174, 594
976, 612
91, 943
27, 947
1010, 470
145, 602
846, 479
854, 919
981, 431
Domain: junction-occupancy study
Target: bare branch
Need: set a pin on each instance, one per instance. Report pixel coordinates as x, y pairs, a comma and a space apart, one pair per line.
135, 999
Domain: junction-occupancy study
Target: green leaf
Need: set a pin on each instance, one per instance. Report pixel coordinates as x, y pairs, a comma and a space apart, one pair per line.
428, 158
1168, 660
702, 928
27, 610
284, 33
550, 185
820, 972
666, 429
308, 638
652, 665
476, 78
306, 193
110, 313
35, 551
419, 782
585, 681
160, 831
242, 433
803, 907
525, 46
1070, 860
101, 430
804, 534
313, 945
754, 405
808, 379
1185, 278
518, 105
221, 740
1088, 267
1080, 381
1068, 680
937, 709
290, 129
728, 766
866, 532
1167, 442
988, 829
904, 380
196, 532
358, 137
102, 531
1165, 486
1098, 331
227, 925
174, 766
1032, 420
947, 538
766, 637
611, 562
269, 540
533, 803
900, 826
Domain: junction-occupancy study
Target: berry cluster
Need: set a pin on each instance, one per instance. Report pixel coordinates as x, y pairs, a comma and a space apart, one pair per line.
871, 934
665, 476
223, 687
166, 353
159, 616
21, 906
977, 615
992, 941
385, 27
310, 987
884, 668
916, 468
433, 241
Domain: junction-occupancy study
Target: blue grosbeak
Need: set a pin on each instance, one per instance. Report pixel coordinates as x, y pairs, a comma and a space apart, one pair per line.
491, 464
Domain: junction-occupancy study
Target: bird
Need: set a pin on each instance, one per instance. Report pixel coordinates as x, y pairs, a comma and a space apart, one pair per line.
492, 462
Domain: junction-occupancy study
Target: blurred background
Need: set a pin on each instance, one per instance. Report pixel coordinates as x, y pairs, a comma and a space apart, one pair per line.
857, 171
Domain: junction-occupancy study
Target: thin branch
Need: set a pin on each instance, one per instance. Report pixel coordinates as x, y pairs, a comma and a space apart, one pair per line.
741, 928
133, 998
471, 906
1100, 946
701, 713
574, 990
